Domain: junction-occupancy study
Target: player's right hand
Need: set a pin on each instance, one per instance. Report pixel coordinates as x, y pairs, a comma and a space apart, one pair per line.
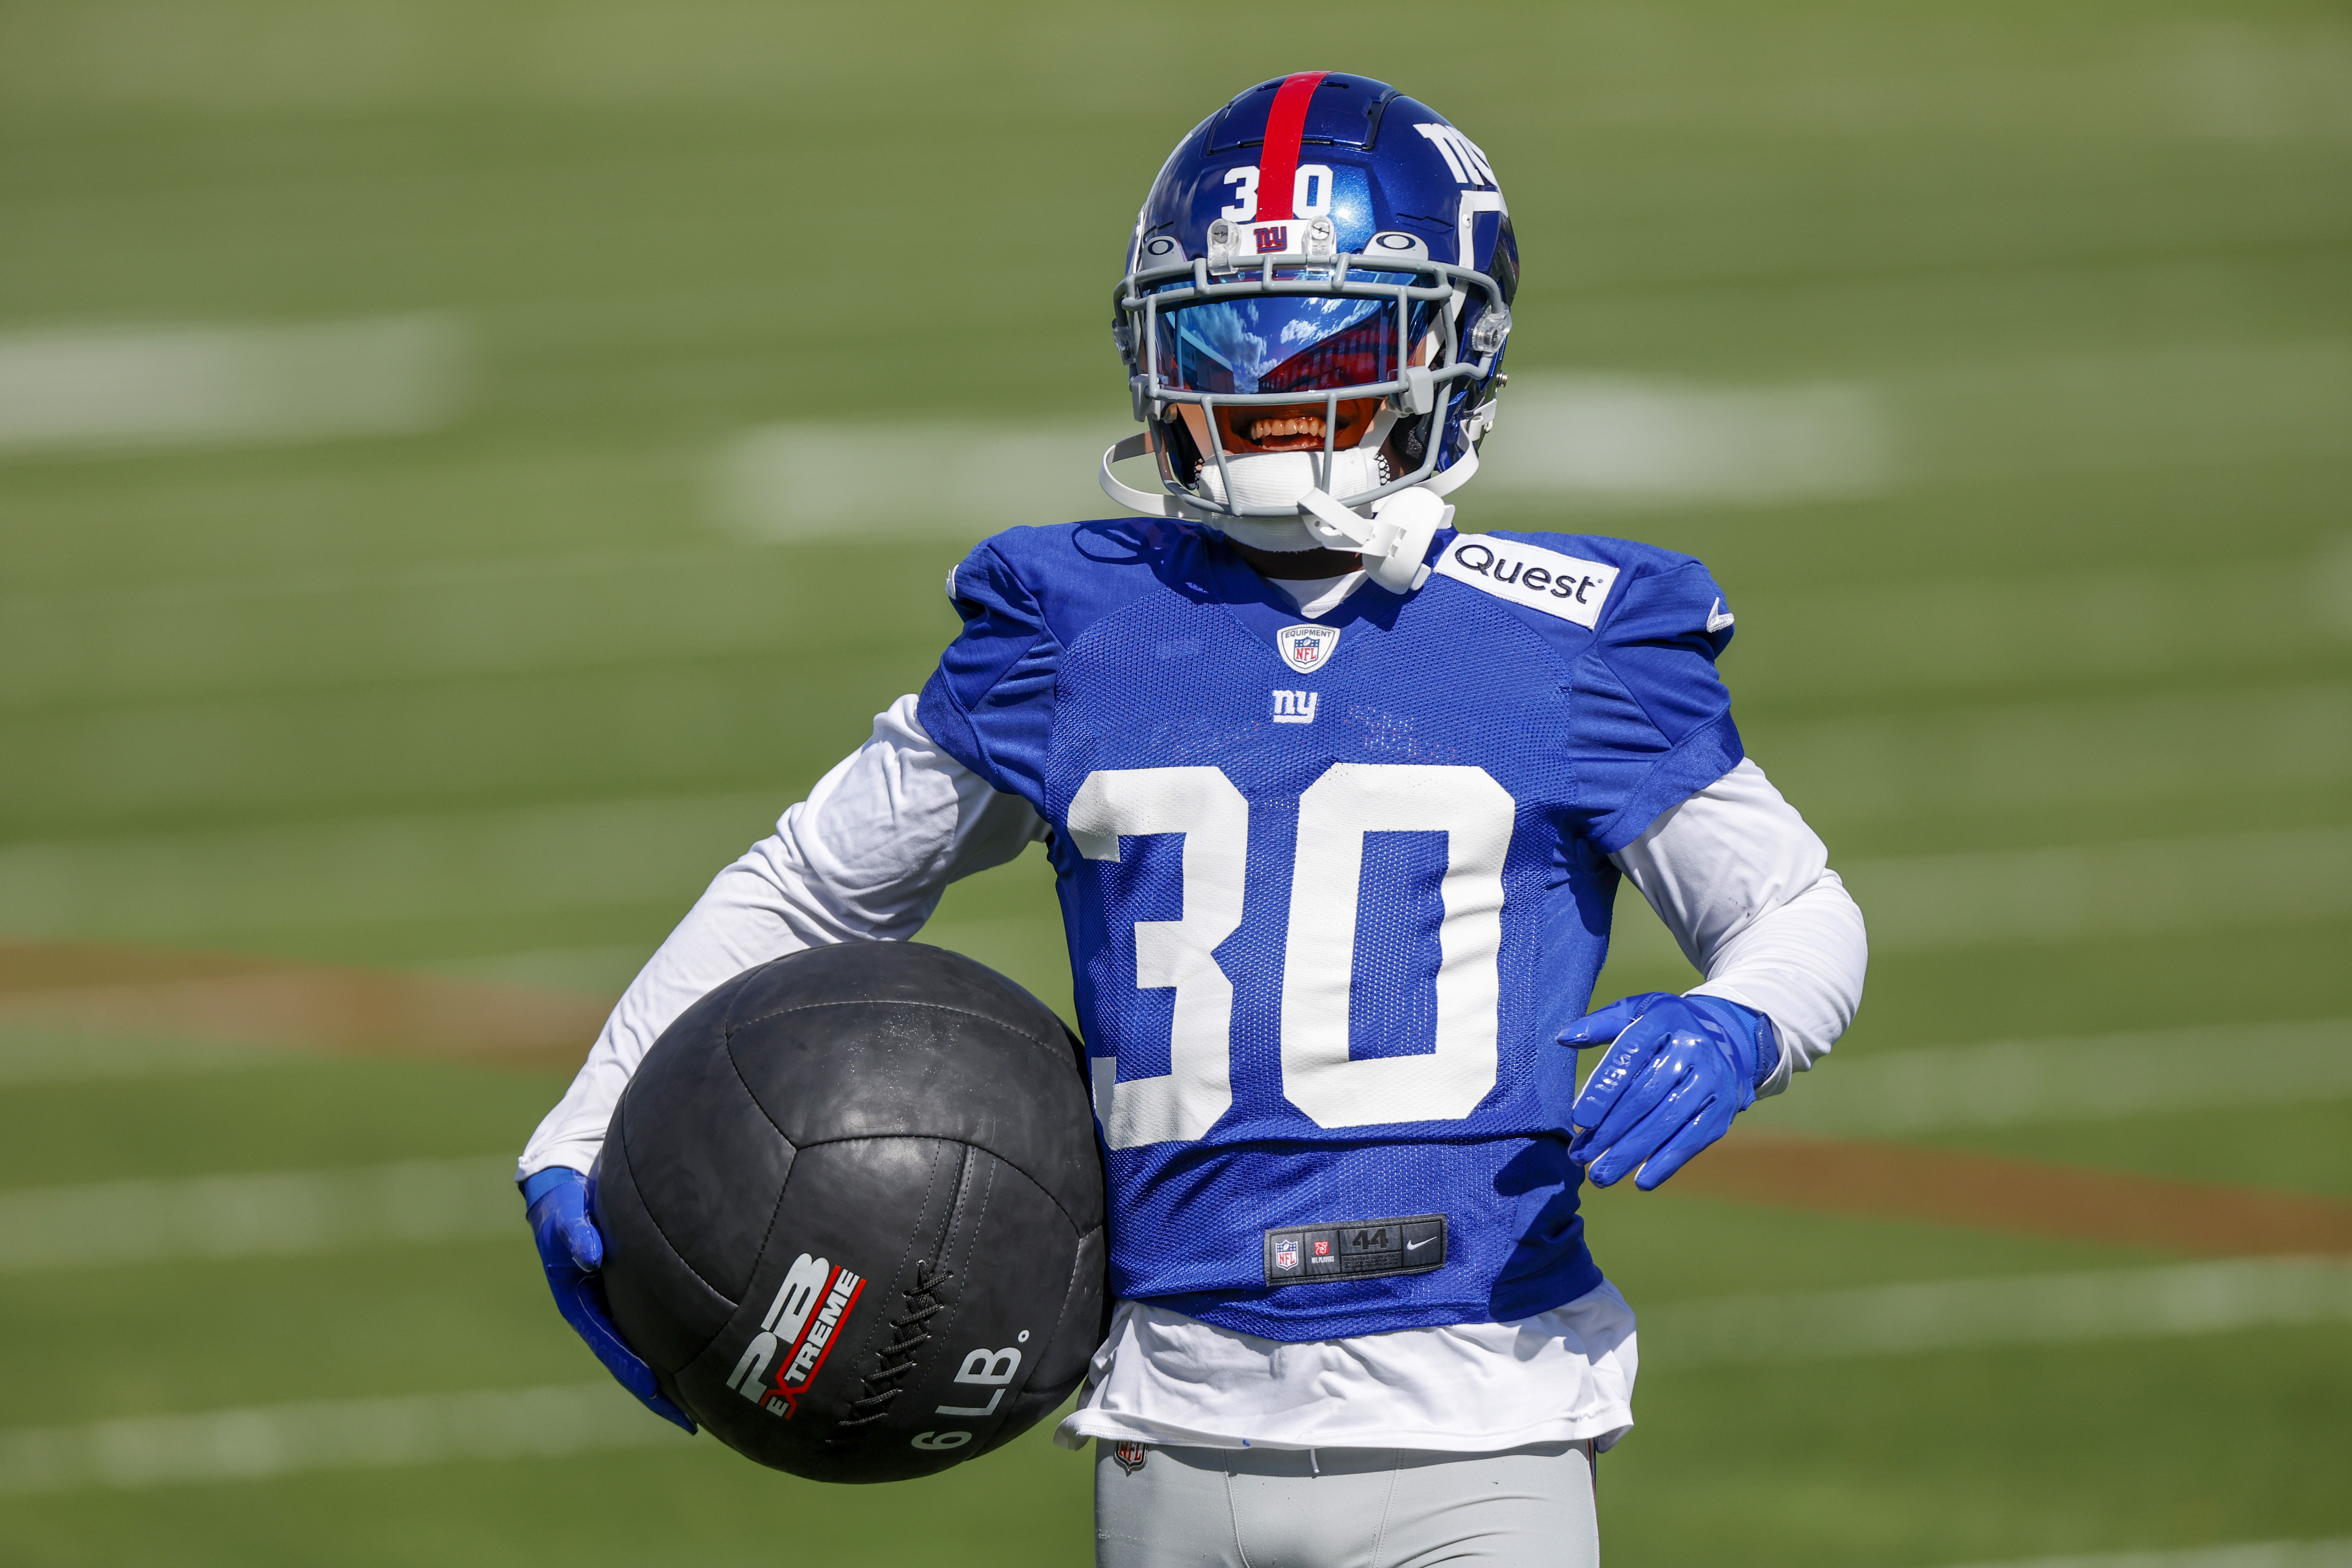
1678, 1070
571, 1249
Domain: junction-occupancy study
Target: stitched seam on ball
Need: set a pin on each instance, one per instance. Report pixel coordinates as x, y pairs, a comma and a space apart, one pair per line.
914, 1258
1059, 1050
898, 1281
971, 1238
971, 1235
1077, 1258
945, 1137
666, 1242
963, 1189
761, 1256
729, 1043
753, 1095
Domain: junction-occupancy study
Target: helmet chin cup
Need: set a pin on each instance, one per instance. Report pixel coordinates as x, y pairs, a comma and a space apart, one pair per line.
1281, 479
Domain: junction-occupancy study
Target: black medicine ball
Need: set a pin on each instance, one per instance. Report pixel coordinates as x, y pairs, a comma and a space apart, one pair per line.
853, 1212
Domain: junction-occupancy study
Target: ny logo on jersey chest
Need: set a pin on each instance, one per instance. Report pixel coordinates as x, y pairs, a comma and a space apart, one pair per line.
1295, 706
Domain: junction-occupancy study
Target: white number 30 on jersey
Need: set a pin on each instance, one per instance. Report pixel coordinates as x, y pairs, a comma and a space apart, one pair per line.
1318, 1076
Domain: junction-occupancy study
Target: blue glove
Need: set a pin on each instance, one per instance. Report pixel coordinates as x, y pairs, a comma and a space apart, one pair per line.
571, 1250
1682, 1068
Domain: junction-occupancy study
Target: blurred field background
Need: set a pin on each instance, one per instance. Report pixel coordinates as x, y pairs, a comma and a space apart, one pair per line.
465, 469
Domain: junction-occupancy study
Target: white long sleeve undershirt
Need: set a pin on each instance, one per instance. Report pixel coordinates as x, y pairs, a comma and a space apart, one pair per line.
1746, 889
866, 857
1733, 872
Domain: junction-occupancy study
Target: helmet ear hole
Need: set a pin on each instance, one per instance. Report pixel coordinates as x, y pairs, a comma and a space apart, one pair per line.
1410, 443
1504, 268
1183, 454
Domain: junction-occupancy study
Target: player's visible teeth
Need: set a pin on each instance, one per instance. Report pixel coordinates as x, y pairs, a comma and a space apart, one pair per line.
1304, 424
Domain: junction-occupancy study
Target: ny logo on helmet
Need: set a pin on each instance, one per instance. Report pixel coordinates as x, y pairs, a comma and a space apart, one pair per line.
1467, 164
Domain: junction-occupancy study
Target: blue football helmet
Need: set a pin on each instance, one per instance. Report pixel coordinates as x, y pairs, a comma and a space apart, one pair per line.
1316, 300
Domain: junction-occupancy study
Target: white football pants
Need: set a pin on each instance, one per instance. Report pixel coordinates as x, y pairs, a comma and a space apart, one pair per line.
1345, 1508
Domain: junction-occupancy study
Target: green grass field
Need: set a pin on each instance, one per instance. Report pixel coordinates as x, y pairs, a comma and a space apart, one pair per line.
2062, 673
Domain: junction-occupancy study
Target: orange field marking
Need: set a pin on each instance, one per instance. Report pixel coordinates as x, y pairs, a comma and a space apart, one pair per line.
225, 996
2033, 1197
257, 1000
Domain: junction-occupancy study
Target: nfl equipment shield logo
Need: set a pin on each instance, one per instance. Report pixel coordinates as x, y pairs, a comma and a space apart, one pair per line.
1285, 1253
1130, 1455
1307, 648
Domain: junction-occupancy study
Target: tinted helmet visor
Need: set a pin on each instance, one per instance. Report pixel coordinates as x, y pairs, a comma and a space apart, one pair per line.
1307, 343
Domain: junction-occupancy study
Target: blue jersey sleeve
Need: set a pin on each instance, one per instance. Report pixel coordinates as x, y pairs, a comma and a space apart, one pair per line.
990, 703
1651, 720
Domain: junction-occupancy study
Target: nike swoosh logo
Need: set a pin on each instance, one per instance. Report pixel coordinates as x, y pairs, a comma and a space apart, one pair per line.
1718, 617
1416, 1246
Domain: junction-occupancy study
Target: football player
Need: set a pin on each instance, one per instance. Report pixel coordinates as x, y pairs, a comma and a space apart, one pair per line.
1338, 799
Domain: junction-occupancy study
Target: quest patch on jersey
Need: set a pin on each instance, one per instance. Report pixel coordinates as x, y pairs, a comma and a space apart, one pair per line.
1354, 1249
1527, 574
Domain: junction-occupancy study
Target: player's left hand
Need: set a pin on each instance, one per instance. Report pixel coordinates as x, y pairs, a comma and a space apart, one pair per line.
571, 1249
1681, 1068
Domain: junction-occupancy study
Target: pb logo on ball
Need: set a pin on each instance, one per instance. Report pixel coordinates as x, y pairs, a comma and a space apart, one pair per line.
803, 1320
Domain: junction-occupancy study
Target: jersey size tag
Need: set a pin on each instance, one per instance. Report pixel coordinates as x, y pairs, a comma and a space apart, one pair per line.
1527, 574
1331, 1250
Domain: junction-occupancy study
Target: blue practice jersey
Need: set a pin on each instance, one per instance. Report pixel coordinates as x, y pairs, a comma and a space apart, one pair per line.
1333, 890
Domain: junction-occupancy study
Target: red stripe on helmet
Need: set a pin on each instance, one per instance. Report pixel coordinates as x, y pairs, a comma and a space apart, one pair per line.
1278, 164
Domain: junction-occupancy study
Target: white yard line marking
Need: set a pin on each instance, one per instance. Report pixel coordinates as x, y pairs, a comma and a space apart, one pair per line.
1896, 641
2154, 408
166, 643
102, 388
525, 860
1609, 438
522, 859
280, 1215
1945, 903
49, 1057
2232, 74
2028, 1310
947, 479
2335, 1553
2007, 1082
1633, 442
1882, 766
1613, 441
270, 1440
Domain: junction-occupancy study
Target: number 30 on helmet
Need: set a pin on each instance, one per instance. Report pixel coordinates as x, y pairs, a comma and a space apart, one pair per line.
1313, 318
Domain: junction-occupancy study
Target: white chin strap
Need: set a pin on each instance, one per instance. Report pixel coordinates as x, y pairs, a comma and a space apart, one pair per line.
1392, 540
